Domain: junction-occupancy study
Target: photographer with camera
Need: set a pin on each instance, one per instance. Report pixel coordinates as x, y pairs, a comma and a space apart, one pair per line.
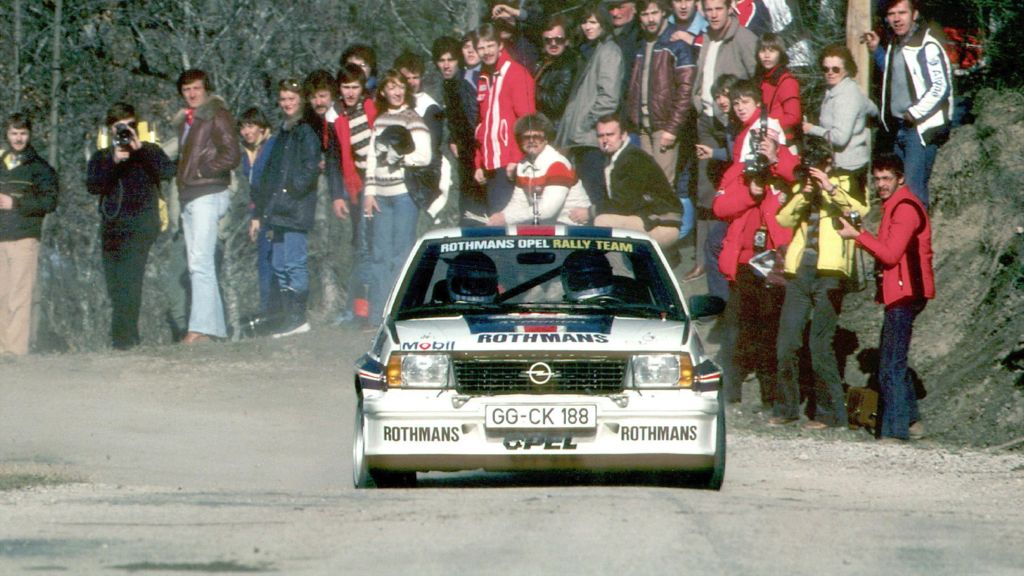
817, 261
126, 176
753, 189
903, 252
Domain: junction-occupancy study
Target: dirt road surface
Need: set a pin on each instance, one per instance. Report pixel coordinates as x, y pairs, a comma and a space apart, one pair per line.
235, 458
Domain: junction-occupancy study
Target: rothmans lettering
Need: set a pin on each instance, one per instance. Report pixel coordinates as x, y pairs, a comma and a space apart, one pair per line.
554, 337
421, 433
499, 244
658, 433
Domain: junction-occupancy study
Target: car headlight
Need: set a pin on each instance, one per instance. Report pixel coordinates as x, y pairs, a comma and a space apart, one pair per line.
418, 370
662, 371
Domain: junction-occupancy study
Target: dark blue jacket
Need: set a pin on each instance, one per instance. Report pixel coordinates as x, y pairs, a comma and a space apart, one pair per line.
286, 194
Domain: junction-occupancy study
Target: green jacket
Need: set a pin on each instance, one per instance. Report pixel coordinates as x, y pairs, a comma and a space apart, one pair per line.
834, 253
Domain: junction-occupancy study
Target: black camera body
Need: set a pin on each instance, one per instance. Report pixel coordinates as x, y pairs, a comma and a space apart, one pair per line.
757, 169
123, 135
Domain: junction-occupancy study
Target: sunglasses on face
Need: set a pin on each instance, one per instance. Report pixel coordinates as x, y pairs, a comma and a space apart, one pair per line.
536, 137
554, 40
832, 69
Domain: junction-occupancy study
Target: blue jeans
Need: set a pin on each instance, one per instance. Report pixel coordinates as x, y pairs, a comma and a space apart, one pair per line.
717, 283
289, 260
199, 221
360, 279
918, 160
393, 236
689, 216
265, 270
898, 407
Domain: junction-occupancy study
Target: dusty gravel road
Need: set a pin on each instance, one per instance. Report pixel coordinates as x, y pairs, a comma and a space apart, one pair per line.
234, 458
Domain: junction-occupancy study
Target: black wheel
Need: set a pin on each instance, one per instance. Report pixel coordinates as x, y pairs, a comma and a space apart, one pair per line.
393, 479
360, 471
716, 477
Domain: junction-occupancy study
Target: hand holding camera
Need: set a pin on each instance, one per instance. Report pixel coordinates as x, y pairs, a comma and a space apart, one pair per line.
125, 140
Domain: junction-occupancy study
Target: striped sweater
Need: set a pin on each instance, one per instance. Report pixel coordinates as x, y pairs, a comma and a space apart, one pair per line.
383, 179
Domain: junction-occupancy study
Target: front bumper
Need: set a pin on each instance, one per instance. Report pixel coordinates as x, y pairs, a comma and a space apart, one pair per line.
424, 430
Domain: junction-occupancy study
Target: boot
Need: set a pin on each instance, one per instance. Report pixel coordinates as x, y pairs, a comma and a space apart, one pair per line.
294, 306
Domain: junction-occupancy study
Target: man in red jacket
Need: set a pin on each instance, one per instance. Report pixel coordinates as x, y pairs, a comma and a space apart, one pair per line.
903, 251
505, 93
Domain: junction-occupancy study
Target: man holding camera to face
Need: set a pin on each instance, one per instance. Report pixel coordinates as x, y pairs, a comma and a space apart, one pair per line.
817, 261
126, 176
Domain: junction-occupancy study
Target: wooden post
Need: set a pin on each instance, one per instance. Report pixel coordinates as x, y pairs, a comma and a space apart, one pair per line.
55, 101
859, 21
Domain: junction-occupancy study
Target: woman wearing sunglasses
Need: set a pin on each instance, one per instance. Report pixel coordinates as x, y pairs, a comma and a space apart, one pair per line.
844, 116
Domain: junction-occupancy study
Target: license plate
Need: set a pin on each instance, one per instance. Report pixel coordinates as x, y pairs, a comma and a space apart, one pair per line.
541, 416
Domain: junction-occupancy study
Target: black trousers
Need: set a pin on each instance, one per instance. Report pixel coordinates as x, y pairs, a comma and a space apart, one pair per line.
751, 326
124, 265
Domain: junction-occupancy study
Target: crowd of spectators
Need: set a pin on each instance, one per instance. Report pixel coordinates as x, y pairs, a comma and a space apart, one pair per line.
680, 118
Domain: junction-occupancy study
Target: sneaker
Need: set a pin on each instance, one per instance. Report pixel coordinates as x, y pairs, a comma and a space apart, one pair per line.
300, 329
815, 425
916, 430
780, 421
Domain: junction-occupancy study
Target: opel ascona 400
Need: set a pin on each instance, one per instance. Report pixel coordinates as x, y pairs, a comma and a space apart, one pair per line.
538, 348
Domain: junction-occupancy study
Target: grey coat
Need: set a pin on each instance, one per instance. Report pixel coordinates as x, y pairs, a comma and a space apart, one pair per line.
843, 121
736, 56
597, 92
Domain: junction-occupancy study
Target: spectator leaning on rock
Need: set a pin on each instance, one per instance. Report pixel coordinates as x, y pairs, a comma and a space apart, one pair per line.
917, 91
126, 176
903, 251
208, 152
28, 192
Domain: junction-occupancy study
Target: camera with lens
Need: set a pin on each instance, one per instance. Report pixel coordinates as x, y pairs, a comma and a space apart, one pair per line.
814, 156
123, 135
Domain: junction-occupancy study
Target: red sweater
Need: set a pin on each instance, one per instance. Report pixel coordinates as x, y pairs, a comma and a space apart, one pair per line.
903, 248
505, 95
780, 91
745, 214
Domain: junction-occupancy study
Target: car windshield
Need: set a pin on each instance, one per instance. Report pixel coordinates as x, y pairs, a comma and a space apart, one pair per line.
620, 276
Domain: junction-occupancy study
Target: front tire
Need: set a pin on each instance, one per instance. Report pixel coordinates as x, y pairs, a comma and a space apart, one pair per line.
360, 470
716, 477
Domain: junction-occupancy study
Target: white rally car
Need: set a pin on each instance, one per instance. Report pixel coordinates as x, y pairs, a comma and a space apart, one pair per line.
538, 348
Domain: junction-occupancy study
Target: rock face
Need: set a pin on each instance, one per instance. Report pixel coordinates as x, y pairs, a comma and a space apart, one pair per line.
971, 336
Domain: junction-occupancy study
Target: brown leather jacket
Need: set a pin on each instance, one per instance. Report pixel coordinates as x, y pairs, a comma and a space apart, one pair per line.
210, 152
669, 84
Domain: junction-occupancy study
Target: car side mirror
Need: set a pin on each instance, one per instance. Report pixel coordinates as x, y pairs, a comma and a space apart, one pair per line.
705, 305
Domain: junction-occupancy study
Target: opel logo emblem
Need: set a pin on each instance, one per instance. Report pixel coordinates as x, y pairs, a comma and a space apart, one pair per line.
540, 373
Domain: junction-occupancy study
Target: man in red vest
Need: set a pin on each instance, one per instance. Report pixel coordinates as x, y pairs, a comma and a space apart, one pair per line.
903, 251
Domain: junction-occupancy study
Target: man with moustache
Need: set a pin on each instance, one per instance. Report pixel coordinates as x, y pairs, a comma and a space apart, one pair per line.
28, 192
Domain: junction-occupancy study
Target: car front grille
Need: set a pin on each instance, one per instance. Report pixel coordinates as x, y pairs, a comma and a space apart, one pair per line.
484, 376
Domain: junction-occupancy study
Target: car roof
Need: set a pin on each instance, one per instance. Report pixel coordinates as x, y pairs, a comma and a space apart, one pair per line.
534, 230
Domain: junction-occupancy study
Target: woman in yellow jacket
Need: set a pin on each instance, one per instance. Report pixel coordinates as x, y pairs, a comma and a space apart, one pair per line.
817, 262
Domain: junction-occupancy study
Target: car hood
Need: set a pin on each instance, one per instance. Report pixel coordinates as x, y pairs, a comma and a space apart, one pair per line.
539, 331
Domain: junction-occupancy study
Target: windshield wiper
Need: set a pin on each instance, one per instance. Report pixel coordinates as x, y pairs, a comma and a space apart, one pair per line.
453, 309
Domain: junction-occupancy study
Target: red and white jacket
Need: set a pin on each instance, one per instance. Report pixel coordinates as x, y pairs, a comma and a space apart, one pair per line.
552, 181
505, 95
